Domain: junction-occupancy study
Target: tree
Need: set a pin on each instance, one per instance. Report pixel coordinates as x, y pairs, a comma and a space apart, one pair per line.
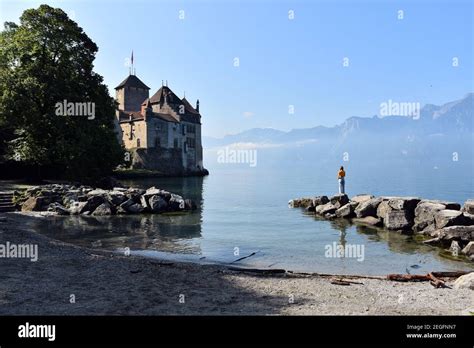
45, 60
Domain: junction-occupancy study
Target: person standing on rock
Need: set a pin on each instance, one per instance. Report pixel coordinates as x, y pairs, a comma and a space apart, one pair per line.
341, 178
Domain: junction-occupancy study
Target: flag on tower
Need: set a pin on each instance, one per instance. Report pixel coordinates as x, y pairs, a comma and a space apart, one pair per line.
132, 58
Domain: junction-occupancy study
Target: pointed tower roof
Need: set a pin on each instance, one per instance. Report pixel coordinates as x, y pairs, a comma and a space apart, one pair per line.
159, 96
189, 108
132, 81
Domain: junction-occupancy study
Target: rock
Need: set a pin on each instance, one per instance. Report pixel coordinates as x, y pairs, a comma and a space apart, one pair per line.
368, 207
144, 202
447, 204
116, 197
76, 208
446, 217
330, 216
404, 203
152, 191
120, 189
469, 218
361, 198
383, 209
425, 213
297, 203
157, 204
468, 249
465, 282
102, 210
176, 202
468, 206
431, 241
135, 208
347, 210
459, 233
398, 220
58, 208
70, 198
127, 203
33, 204
92, 203
368, 220
339, 200
327, 208
455, 248
310, 209
97, 192
319, 200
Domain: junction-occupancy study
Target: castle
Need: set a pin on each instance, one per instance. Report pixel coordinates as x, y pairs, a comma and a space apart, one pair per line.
162, 132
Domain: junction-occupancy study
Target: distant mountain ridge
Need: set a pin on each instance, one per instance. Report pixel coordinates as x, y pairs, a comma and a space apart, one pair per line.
454, 118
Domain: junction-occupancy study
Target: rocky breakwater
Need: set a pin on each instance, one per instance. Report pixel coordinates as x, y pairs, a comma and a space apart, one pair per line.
449, 224
85, 200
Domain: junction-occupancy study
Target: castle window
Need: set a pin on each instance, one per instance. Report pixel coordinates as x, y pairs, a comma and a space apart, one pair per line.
138, 142
157, 142
175, 143
191, 142
190, 128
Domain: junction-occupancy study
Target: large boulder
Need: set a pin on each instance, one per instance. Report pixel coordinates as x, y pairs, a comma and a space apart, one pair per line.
361, 198
58, 208
404, 203
446, 217
319, 200
134, 208
116, 197
70, 198
327, 208
383, 209
465, 282
157, 204
447, 204
468, 206
398, 220
339, 200
299, 202
75, 208
368, 207
176, 202
189, 204
93, 202
468, 250
368, 220
459, 233
347, 210
103, 210
425, 213
33, 204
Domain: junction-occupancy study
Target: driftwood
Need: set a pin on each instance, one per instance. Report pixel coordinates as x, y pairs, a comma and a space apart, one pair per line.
339, 281
432, 277
242, 258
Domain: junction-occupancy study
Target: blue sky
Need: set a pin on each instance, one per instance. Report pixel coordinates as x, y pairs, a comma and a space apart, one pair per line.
283, 62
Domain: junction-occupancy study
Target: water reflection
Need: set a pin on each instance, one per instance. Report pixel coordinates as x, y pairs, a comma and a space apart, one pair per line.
166, 232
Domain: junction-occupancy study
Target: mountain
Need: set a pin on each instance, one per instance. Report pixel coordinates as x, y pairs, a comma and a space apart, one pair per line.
451, 120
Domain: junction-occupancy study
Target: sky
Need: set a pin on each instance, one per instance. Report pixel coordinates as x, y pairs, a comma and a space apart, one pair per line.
281, 64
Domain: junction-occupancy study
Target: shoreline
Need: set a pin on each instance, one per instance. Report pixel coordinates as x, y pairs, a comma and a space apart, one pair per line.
104, 282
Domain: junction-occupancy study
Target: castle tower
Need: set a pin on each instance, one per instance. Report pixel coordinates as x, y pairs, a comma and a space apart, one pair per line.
131, 93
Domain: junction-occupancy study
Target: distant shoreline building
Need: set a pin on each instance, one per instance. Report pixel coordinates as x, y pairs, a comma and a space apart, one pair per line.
162, 132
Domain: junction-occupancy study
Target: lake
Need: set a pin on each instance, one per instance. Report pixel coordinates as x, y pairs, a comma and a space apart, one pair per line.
244, 210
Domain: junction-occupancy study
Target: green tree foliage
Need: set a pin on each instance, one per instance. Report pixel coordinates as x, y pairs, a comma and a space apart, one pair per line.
44, 60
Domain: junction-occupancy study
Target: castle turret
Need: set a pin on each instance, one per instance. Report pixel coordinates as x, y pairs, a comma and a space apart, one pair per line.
131, 93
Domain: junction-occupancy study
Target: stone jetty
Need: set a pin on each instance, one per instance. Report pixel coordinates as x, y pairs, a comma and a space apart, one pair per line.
447, 224
85, 200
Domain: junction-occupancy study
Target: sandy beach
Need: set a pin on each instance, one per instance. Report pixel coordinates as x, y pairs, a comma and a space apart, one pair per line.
71, 280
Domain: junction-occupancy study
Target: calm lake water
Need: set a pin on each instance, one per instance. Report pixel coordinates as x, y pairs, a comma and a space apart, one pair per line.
243, 210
